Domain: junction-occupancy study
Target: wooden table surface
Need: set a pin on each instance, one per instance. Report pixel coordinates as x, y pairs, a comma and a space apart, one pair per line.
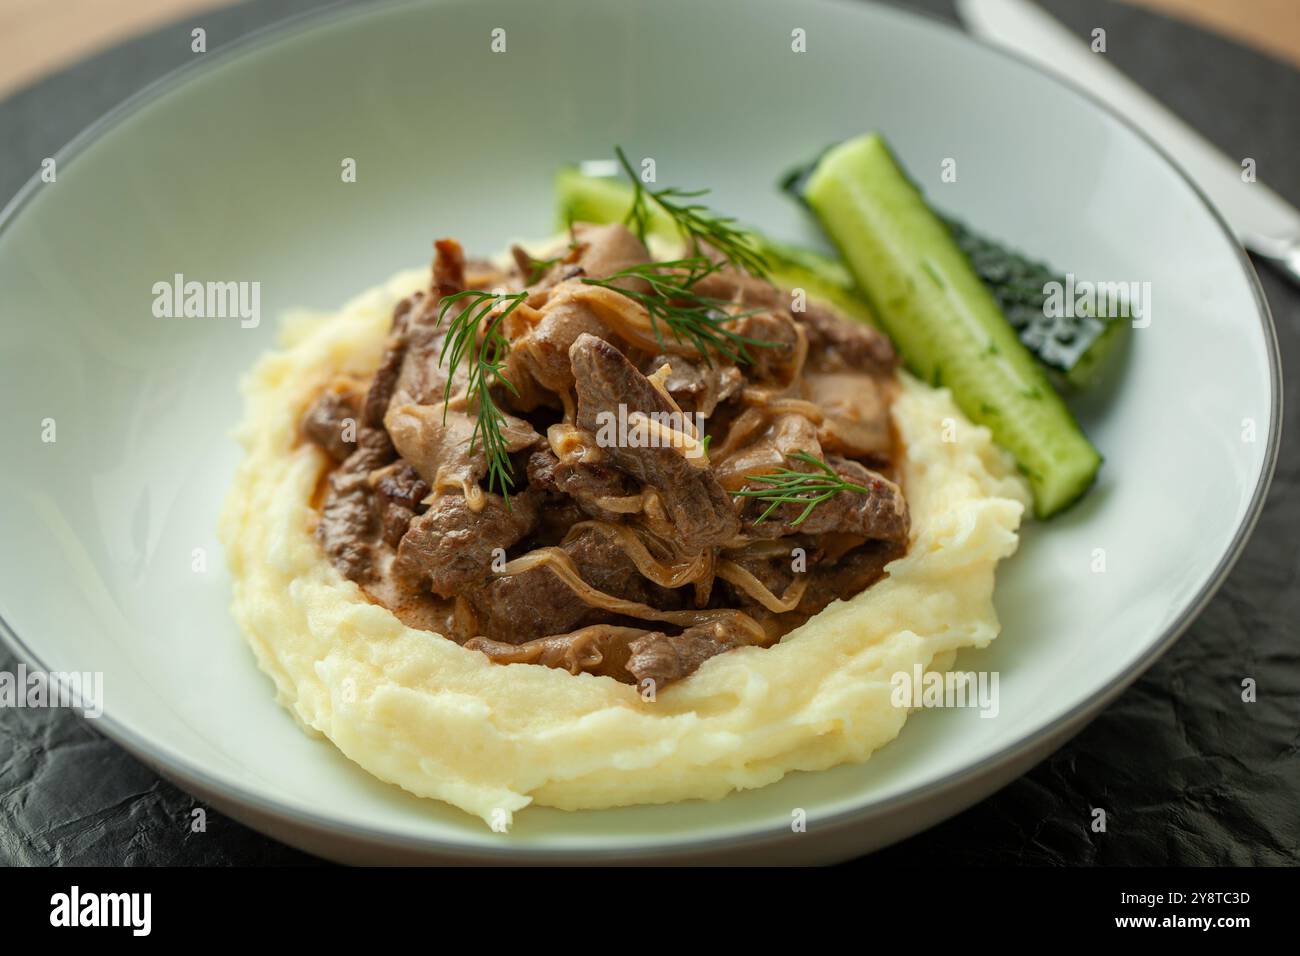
38, 37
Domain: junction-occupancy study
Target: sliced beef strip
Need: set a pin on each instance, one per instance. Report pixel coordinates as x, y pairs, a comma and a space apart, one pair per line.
586, 483
399, 492
441, 443
663, 659
834, 343
774, 360
349, 527
328, 419
544, 349
730, 285
850, 575
390, 365
594, 250
632, 655
837, 344
605, 249
536, 603
542, 353
412, 371
598, 649
855, 407
411, 366
451, 546
559, 513
448, 267
830, 577
769, 450
881, 514
698, 507
696, 386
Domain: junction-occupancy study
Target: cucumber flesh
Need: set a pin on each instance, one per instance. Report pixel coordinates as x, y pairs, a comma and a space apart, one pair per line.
599, 200
943, 319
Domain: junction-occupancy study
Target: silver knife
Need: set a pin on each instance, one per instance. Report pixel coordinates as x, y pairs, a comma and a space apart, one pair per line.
1265, 223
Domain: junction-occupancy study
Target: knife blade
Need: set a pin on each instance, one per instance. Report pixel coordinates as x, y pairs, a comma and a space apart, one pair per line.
1264, 222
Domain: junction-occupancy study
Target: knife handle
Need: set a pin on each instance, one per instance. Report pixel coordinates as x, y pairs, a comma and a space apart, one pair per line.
1282, 254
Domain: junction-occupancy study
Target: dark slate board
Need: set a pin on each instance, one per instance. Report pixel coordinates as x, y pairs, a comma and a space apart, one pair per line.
1188, 774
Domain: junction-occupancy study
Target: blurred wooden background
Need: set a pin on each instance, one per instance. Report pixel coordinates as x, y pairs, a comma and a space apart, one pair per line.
40, 36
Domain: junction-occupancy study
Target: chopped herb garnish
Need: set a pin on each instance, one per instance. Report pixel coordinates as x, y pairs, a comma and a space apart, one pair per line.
810, 489
538, 268
483, 359
698, 225
674, 302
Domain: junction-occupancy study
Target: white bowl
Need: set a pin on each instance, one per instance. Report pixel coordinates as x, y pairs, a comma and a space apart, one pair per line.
231, 170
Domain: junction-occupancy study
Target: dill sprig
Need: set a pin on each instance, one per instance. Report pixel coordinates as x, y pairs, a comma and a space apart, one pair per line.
697, 224
799, 487
674, 302
483, 357
538, 268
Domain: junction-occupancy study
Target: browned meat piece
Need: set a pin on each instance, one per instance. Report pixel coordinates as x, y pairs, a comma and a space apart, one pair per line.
439, 442
349, 527
332, 422
731, 286
775, 360
411, 365
856, 410
451, 546
599, 649
881, 514
774, 571
851, 574
699, 509
401, 485
664, 659
398, 493
837, 344
603, 250
448, 267
536, 603
768, 450
390, 366
544, 349
558, 515
628, 654
696, 386
587, 484
418, 334
422, 376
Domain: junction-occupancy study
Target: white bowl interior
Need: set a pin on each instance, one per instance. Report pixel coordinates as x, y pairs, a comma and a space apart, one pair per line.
234, 174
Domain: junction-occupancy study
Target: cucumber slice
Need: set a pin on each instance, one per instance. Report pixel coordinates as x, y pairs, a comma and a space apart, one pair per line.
599, 200
591, 199
943, 319
1072, 348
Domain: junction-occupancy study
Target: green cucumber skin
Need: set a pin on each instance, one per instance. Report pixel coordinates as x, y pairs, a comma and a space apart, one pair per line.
590, 199
598, 200
1073, 349
943, 319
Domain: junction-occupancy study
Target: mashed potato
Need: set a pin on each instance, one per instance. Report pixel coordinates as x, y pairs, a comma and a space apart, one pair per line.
422, 712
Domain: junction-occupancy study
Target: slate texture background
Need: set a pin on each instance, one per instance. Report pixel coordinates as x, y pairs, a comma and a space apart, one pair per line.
1187, 773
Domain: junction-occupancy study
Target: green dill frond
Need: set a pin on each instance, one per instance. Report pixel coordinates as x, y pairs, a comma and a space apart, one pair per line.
673, 302
699, 226
810, 489
483, 357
